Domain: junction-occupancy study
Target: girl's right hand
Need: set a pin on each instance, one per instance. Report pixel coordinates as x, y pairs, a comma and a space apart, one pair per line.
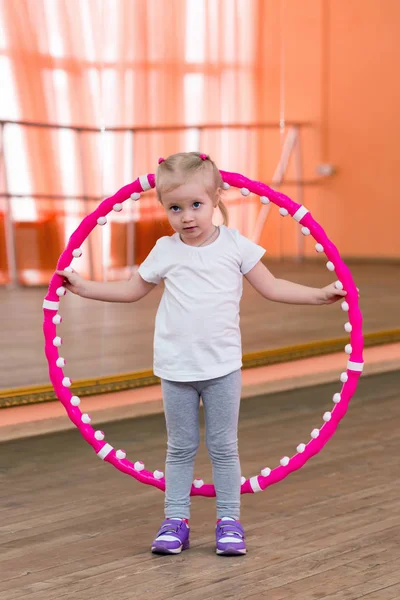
73, 282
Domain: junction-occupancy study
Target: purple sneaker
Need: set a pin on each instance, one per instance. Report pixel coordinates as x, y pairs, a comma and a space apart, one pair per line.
172, 537
230, 537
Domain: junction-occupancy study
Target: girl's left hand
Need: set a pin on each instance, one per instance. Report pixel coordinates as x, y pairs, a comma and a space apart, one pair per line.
331, 294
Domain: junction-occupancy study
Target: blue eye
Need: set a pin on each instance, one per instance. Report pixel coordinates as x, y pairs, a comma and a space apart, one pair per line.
174, 207
198, 203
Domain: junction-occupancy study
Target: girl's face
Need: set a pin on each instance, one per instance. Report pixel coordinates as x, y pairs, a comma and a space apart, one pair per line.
190, 211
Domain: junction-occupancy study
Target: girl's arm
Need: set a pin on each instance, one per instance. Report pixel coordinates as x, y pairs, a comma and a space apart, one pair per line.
280, 290
129, 290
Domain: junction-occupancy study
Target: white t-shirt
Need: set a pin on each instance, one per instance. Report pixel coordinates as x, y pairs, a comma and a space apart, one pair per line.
197, 334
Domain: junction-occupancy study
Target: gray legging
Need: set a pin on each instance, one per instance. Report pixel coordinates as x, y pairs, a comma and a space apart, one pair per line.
221, 400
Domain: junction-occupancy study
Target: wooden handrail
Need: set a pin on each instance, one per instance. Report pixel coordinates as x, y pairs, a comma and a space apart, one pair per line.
152, 128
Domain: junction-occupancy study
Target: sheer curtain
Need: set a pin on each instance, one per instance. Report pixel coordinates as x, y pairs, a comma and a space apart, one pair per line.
106, 64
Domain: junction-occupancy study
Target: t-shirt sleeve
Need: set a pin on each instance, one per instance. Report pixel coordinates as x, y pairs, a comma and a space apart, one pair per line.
150, 268
250, 253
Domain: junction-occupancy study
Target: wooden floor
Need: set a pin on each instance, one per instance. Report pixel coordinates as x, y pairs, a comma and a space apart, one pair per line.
72, 526
107, 339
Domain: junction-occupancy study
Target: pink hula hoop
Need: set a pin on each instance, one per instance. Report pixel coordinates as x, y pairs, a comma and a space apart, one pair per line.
117, 458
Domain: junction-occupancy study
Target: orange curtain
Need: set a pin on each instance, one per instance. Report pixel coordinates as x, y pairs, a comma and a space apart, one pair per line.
110, 64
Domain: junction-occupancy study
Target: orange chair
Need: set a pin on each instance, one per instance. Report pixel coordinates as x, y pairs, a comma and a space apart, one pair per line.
146, 233
38, 247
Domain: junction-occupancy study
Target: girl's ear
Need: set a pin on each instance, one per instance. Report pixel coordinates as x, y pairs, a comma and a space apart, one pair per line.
217, 197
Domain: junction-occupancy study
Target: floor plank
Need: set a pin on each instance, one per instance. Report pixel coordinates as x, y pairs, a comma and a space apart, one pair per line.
72, 526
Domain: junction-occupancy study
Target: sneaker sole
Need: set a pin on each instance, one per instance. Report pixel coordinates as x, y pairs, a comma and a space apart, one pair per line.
231, 552
156, 550
163, 550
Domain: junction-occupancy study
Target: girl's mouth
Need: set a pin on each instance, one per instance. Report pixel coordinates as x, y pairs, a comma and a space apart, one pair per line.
189, 228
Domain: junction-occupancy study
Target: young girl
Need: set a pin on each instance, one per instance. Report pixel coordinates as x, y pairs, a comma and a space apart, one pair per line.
197, 344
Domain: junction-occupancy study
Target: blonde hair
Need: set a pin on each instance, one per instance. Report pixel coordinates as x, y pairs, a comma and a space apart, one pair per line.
178, 168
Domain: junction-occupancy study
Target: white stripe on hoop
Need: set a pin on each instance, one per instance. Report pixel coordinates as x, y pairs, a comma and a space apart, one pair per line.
255, 486
300, 213
50, 305
355, 366
144, 182
106, 449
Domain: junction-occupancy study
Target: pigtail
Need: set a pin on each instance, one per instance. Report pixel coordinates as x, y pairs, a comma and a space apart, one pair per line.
224, 212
